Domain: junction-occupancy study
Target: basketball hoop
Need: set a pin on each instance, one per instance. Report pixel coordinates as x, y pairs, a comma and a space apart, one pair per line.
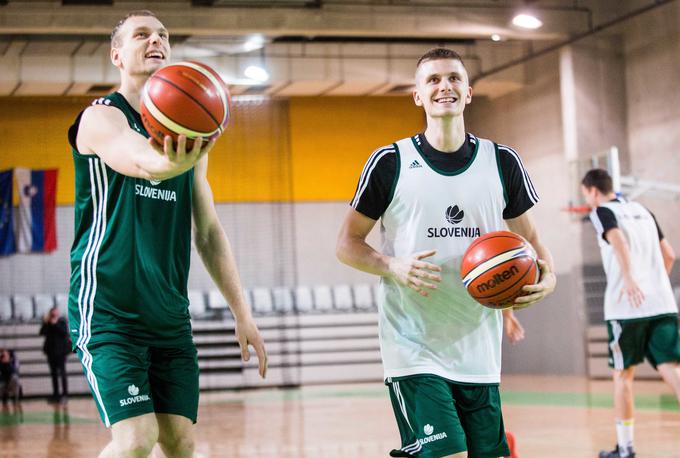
577, 209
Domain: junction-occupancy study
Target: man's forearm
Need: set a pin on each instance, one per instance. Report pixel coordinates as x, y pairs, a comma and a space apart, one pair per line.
215, 251
156, 166
622, 255
543, 253
360, 255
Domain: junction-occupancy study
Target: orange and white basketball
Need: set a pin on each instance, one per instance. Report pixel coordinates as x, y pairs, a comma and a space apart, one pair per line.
496, 266
186, 98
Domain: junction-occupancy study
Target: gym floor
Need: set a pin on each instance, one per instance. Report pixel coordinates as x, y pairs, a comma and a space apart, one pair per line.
557, 417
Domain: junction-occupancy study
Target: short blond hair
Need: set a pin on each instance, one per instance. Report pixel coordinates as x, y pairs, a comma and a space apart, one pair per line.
115, 39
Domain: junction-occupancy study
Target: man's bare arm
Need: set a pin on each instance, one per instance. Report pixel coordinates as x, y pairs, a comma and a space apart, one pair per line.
104, 131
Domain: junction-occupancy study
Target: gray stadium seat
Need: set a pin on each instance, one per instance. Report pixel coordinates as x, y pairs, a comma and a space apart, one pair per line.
43, 304
323, 298
304, 300
262, 300
342, 294
23, 307
196, 303
61, 301
5, 308
363, 296
216, 301
283, 299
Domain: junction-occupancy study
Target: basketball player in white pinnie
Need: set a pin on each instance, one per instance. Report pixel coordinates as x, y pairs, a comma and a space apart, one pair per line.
441, 350
639, 306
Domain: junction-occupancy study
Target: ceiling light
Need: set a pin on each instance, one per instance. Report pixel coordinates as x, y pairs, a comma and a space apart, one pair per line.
495, 37
256, 73
527, 21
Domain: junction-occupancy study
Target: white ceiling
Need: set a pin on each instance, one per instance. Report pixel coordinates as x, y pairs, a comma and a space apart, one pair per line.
309, 47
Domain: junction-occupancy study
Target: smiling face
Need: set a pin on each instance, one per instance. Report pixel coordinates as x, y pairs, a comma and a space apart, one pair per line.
442, 87
140, 46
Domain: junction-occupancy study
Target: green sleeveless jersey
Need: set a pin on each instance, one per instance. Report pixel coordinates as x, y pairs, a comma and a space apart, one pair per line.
131, 250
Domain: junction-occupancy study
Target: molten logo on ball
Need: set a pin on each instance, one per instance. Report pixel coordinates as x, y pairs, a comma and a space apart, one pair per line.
496, 267
497, 279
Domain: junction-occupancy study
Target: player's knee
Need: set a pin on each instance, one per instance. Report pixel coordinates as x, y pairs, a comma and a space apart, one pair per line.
177, 444
134, 447
457, 455
137, 442
624, 375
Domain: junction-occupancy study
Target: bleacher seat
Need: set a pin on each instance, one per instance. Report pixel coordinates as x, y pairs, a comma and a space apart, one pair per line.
323, 298
197, 307
262, 300
23, 307
304, 300
283, 299
5, 308
342, 295
61, 301
363, 297
43, 304
216, 301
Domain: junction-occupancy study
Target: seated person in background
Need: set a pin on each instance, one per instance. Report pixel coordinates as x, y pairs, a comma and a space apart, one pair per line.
9, 376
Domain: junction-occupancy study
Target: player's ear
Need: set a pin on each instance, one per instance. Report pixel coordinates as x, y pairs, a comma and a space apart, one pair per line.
468, 97
115, 56
416, 98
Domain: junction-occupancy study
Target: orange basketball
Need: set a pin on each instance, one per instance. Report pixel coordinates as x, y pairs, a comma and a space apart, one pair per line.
496, 266
185, 98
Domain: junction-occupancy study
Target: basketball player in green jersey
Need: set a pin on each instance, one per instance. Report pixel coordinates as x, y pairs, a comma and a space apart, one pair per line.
639, 306
128, 303
440, 348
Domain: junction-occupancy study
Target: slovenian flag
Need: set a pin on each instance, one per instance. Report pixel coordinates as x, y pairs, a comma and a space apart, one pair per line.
36, 225
7, 245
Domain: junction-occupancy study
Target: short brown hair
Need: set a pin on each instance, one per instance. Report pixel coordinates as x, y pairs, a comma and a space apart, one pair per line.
440, 53
116, 29
600, 179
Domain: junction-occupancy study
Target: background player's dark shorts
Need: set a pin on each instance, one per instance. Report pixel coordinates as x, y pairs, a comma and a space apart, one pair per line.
654, 338
128, 379
437, 417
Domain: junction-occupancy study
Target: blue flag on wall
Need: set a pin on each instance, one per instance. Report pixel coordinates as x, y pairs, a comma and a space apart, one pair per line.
7, 244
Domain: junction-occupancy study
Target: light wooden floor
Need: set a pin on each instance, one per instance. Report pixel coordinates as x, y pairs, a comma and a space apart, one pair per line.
550, 416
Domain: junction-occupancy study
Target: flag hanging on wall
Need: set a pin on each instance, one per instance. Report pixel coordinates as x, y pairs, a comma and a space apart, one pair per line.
7, 245
36, 225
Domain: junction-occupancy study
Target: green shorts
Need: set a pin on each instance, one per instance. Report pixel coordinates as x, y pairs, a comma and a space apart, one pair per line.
128, 379
655, 338
437, 417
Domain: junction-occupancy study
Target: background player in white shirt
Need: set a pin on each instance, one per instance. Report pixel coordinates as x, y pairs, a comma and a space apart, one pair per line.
440, 348
639, 306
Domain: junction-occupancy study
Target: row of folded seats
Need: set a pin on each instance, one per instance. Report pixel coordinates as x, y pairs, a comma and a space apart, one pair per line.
285, 300
211, 304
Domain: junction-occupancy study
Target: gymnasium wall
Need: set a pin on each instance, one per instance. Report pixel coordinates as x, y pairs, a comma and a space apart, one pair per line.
529, 120
652, 54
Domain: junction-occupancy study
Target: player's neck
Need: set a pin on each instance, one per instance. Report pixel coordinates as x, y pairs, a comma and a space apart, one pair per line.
603, 198
446, 134
609, 197
131, 89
